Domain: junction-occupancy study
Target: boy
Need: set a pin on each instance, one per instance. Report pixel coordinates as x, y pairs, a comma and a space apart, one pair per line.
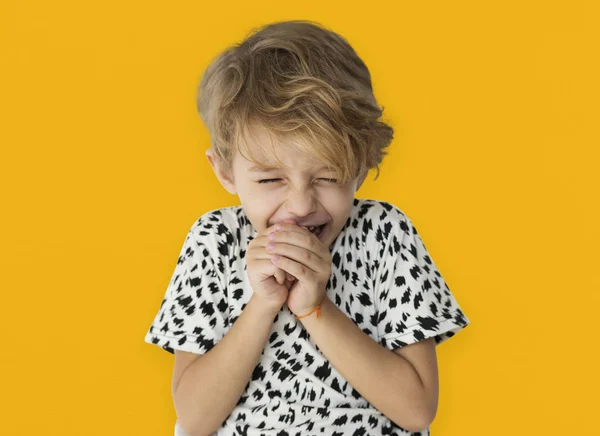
304, 311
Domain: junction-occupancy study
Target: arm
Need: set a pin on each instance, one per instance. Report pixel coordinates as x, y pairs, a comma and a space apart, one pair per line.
211, 385
386, 379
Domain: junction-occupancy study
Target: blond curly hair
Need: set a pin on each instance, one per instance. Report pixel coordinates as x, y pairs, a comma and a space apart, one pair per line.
303, 83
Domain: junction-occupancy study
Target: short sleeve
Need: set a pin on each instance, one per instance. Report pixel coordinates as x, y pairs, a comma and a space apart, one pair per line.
193, 314
414, 302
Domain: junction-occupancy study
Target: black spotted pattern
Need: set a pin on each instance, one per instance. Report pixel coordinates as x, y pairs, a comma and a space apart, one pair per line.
382, 278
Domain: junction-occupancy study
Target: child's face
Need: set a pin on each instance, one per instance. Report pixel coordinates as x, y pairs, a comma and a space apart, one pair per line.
299, 192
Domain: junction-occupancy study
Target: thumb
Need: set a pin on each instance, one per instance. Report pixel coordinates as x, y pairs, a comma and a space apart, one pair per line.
273, 287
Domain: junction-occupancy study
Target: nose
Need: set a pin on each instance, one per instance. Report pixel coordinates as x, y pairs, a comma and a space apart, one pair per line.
301, 203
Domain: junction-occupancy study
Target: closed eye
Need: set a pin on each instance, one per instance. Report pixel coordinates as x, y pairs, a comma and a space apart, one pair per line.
274, 180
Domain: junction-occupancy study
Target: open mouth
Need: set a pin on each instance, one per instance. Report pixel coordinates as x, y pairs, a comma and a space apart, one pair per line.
317, 230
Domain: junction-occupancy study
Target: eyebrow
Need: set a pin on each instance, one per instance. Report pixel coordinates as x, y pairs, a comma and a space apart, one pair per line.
261, 169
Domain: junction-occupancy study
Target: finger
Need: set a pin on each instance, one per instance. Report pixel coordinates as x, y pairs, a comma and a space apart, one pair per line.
264, 239
260, 241
275, 226
269, 269
280, 276
310, 240
290, 226
299, 255
290, 266
305, 240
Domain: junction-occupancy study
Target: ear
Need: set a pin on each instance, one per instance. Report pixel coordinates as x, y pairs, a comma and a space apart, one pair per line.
225, 178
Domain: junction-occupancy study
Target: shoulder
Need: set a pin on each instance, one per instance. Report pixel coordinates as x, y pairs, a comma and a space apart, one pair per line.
382, 211
213, 221
222, 223
379, 221
220, 229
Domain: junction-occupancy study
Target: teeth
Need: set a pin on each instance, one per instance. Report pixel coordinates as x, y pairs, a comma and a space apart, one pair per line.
312, 229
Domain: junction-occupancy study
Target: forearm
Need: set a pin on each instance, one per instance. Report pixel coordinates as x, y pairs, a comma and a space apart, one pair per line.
386, 380
212, 385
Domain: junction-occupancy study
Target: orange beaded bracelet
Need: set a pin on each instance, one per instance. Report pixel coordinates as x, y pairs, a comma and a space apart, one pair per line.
318, 309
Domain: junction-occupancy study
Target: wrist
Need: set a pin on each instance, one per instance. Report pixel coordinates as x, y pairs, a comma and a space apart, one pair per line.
327, 306
315, 311
264, 306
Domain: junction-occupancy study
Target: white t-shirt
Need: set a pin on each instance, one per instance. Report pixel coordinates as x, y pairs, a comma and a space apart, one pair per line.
382, 277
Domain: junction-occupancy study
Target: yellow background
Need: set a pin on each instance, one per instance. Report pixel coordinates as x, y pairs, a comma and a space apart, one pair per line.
495, 159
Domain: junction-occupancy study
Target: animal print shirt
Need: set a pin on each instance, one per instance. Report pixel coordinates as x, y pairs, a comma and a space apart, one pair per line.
382, 278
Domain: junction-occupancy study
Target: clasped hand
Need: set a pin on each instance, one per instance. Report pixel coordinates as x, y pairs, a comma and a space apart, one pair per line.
302, 255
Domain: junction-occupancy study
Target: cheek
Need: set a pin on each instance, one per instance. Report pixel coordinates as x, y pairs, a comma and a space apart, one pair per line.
341, 208
259, 205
